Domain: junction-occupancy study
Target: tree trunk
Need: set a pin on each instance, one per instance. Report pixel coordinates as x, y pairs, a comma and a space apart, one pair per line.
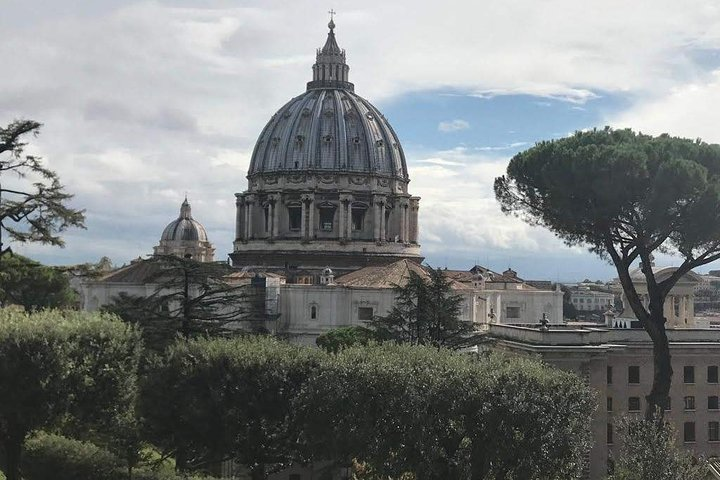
258, 472
479, 465
13, 453
659, 395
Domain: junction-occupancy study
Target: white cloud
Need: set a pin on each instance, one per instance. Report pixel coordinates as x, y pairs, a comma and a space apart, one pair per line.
145, 100
453, 125
687, 110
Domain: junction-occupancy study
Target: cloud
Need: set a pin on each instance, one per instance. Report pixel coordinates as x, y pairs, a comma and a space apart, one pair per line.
453, 125
137, 111
683, 111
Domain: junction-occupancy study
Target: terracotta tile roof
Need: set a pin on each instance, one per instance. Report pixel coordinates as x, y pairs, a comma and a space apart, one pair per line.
139, 271
388, 276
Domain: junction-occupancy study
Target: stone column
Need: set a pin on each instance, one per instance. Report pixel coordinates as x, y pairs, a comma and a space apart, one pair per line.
376, 217
239, 212
303, 211
276, 217
406, 223
341, 220
414, 228
248, 217
309, 200
349, 220
383, 227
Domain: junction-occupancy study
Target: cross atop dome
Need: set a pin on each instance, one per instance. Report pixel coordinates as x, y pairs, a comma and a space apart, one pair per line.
330, 69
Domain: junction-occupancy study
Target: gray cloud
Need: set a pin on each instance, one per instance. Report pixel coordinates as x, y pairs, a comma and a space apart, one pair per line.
142, 101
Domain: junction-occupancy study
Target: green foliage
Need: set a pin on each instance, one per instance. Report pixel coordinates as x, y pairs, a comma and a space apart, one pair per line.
650, 450
439, 414
36, 212
338, 338
625, 195
426, 312
72, 368
191, 298
51, 456
209, 400
32, 285
396, 409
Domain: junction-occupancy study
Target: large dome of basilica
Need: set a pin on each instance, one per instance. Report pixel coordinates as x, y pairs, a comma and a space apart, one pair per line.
329, 130
327, 183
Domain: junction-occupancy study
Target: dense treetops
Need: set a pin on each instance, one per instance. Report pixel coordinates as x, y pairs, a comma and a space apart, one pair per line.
625, 195
620, 184
391, 410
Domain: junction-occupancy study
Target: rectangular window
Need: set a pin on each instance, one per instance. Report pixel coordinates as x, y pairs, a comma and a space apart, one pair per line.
634, 374
634, 404
713, 431
609, 434
689, 432
512, 312
713, 403
365, 313
327, 215
295, 217
690, 403
712, 374
358, 214
609, 404
689, 374
609, 375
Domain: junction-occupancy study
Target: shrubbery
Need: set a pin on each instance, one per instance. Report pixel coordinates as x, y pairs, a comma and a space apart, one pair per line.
397, 411
395, 408
77, 368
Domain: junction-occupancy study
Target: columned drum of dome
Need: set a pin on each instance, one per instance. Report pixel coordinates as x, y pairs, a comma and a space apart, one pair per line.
327, 183
184, 237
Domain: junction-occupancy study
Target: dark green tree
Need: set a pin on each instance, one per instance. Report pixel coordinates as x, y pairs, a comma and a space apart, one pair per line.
625, 196
426, 312
34, 286
31, 212
650, 450
62, 367
428, 413
338, 338
209, 400
191, 298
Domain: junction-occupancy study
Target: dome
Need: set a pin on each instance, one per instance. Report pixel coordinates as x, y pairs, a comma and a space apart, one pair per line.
184, 227
329, 128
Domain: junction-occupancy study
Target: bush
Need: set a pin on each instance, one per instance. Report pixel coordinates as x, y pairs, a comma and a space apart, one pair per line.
78, 368
396, 409
52, 456
650, 450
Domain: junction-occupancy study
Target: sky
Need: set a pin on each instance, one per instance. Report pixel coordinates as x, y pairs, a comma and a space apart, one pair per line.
145, 101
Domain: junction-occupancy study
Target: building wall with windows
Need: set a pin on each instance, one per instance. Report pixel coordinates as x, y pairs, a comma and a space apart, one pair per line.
592, 300
618, 365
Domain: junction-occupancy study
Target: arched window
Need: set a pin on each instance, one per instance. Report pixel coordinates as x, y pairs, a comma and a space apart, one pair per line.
313, 312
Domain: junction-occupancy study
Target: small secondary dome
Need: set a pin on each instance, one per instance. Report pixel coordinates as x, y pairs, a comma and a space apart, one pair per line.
186, 237
185, 227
